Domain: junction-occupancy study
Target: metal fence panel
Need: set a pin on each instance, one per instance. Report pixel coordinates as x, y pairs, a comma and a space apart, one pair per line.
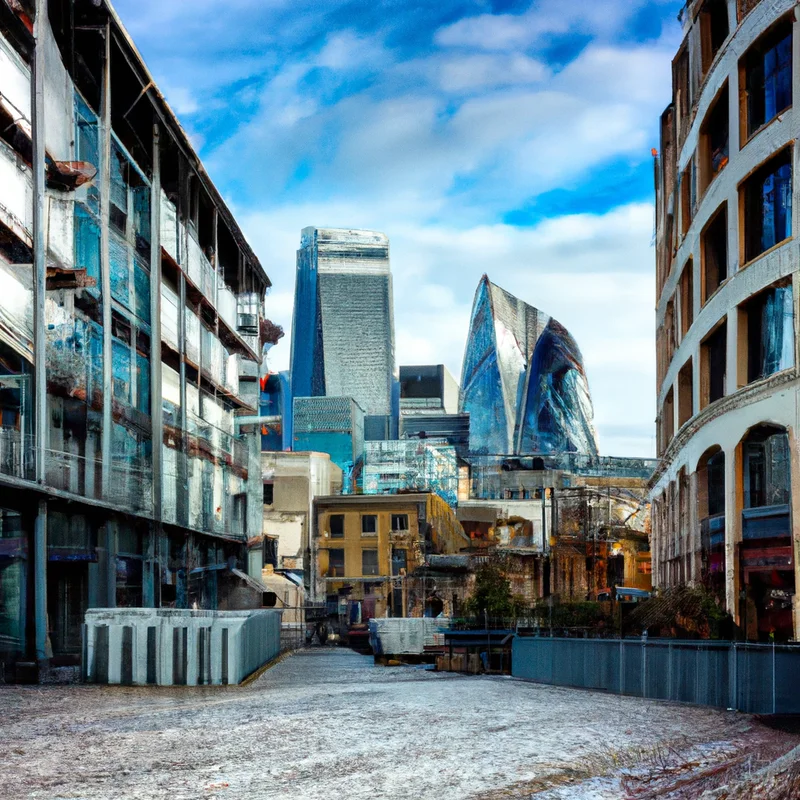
754, 678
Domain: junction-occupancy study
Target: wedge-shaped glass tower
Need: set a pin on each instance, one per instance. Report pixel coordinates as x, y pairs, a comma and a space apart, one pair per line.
523, 382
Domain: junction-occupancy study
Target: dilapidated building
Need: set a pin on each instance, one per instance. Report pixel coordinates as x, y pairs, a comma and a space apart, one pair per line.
726, 493
366, 548
130, 342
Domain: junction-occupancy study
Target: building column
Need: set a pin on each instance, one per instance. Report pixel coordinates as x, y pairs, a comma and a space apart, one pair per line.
733, 530
693, 538
105, 259
794, 449
43, 648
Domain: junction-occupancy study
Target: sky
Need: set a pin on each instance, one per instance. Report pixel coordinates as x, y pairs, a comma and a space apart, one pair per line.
482, 136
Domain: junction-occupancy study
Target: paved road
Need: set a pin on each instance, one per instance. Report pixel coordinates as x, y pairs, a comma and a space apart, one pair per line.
327, 724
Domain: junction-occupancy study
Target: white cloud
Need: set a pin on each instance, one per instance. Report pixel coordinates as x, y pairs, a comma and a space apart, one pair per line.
594, 273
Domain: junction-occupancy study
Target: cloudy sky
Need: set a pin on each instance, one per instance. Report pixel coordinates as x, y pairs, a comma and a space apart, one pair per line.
482, 136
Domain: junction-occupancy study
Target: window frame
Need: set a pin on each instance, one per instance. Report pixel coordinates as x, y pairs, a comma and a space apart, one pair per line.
364, 518
376, 566
335, 534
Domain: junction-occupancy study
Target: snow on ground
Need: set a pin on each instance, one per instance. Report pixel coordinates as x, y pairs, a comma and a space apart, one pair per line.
327, 723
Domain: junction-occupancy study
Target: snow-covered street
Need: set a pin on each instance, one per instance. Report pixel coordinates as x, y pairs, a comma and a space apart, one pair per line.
327, 723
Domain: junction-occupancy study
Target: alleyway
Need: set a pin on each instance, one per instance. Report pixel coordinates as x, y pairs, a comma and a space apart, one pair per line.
329, 724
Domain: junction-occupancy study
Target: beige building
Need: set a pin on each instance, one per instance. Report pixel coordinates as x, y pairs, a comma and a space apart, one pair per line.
726, 490
291, 482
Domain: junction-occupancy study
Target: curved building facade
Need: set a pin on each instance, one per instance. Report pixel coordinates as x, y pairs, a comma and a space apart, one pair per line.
523, 382
725, 493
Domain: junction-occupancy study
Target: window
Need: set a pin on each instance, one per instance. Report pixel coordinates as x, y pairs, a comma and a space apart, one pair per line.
714, 246
715, 477
269, 494
680, 92
336, 526
369, 524
766, 468
687, 197
399, 522
768, 205
766, 74
686, 295
713, 358
714, 139
768, 322
668, 418
714, 29
369, 562
685, 393
399, 561
336, 563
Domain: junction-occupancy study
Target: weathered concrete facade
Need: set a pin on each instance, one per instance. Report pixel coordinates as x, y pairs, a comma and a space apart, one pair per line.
727, 488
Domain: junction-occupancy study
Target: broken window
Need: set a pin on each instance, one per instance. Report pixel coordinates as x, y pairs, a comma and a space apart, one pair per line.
399, 522
768, 205
685, 393
336, 563
714, 247
714, 138
369, 524
399, 561
769, 323
336, 525
714, 29
767, 78
369, 562
713, 357
686, 295
766, 467
269, 494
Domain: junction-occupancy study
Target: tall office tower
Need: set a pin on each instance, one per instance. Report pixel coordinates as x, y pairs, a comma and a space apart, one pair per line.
523, 382
343, 327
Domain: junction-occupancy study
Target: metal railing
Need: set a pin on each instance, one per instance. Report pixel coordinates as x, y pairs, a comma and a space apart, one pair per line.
754, 678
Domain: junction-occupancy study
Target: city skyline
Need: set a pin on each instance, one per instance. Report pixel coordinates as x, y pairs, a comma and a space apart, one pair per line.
515, 142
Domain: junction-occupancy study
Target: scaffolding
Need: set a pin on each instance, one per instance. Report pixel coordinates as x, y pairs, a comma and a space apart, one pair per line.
421, 465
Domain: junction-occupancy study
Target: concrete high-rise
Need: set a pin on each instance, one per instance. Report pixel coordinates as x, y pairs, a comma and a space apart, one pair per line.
343, 328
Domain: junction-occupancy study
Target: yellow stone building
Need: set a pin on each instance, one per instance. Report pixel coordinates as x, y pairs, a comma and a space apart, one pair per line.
364, 546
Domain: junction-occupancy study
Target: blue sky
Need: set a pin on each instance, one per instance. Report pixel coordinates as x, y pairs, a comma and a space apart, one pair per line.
511, 138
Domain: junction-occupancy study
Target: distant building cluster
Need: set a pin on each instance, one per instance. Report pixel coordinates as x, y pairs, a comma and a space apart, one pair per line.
508, 459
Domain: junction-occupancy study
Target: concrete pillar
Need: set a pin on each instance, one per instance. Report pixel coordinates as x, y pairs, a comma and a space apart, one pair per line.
794, 449
733, 529
693, 539
43, 649
105, 259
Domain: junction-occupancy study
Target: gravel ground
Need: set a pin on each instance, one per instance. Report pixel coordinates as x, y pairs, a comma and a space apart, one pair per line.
327, 723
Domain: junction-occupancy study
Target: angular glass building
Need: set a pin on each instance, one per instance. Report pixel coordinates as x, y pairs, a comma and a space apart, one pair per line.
343, 327
523, 382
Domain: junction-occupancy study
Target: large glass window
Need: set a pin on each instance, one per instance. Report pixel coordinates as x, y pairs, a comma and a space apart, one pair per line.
770, 332
768, 205
766, 468
768, 76
369, 524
